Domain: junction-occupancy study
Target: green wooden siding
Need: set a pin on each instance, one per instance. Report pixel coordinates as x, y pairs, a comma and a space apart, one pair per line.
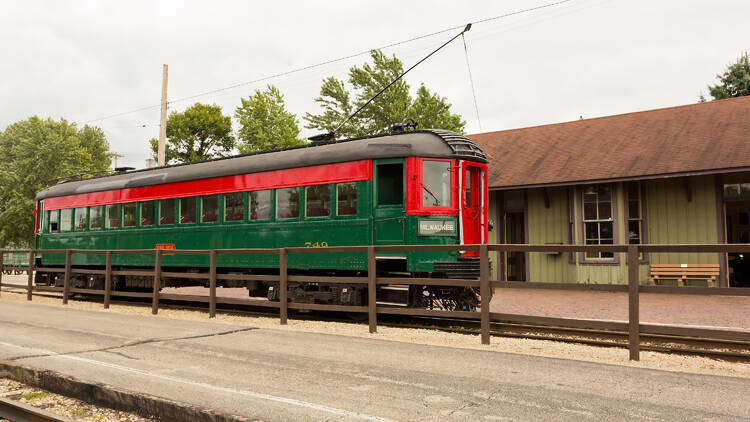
548, 225
494, 256
674, 219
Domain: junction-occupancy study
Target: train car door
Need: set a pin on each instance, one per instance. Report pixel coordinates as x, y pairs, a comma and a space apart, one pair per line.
472, 206
389, 197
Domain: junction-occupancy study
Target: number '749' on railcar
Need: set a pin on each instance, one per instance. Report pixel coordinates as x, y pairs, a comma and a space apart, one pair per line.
413, 188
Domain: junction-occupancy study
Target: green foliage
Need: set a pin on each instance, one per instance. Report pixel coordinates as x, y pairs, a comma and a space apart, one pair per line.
735, 82
265, 123
36, 153
393, 106
198, 133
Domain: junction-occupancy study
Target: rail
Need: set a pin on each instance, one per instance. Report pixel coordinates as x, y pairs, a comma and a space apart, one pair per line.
16, 411
633, 326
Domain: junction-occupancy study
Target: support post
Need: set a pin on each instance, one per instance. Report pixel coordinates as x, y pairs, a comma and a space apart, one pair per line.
283, 305
484, 292
2, 253
66, 278
108, 280
212, 284
372, 289
157, 283
634, 337
30, 271
160, 151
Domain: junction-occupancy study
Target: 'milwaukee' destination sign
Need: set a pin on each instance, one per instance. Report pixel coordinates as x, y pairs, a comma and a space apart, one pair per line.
437, 226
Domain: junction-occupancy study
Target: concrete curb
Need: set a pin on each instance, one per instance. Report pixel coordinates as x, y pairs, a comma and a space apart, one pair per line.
113, 397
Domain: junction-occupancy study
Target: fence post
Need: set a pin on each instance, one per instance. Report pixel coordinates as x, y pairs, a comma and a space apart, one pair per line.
157, 283
484, 292
1, 270
66, 277
212, 284
634, 337
30, 271
108, 280
372, 289
283, 305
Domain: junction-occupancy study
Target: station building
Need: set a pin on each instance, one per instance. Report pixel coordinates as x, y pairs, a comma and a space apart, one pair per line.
668, 176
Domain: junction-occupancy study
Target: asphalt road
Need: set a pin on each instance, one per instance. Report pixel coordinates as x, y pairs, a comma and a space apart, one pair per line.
281, 375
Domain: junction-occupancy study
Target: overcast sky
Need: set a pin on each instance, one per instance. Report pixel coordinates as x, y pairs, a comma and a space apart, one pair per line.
84, 60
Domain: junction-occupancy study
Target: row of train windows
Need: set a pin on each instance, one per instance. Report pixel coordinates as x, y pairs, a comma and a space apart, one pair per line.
187, 210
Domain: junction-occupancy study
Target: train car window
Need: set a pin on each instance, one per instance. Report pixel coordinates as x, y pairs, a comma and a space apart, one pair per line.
390, 184
53, 220
436, 183
210, 209
346, 194
80, 218
166, 211
467, 184
318, 200
95, 217
287, 203
148, 213
260, 205
129, 215
234, 206
188, 210
113, 216
66, 220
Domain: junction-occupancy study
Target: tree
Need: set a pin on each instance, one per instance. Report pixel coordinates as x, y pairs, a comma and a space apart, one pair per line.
36, 153
735, 82
198, 133
265, 124
393, 106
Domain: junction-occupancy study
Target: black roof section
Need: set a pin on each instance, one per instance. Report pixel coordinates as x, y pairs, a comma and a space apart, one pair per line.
422, 143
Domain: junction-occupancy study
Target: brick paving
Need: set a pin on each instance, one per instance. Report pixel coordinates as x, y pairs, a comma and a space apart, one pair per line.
713, 311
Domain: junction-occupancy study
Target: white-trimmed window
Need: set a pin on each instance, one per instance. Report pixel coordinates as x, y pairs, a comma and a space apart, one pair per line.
598, 218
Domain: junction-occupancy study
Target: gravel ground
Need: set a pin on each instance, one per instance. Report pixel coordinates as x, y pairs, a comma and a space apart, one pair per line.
61, 405
617, 356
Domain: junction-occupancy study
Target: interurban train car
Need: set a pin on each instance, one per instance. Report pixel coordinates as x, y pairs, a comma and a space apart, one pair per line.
421, 187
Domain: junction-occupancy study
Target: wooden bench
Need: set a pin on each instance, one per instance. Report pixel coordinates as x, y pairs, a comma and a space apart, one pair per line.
684, 273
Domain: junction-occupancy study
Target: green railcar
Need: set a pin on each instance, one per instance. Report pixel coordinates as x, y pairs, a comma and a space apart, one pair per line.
411, 188
19, 261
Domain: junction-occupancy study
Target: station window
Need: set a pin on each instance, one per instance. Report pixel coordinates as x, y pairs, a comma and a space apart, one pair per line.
113, 216
210, 209
287, 203
80, 218
318, 200
166, 211
66, 220
436, 183
598, 223
234, 206
148, 213
53, 220
347, 198
260, 205
129, 215
95, 217
188, 210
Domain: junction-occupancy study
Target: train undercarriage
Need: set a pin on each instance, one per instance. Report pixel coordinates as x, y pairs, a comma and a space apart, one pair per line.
312, 291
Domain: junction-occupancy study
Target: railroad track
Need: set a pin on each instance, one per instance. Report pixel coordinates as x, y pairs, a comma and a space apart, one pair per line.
20, 412
715, 348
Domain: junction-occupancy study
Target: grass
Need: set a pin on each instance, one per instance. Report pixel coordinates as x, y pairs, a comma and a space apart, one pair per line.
36, 395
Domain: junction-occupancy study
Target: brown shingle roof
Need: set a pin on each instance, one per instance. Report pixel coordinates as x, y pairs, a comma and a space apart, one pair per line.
696, 138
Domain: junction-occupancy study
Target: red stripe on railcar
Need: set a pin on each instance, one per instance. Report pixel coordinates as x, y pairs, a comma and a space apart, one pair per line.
303, 176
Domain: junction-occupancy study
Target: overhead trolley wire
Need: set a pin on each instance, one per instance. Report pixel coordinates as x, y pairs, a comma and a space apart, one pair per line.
327, 62
471, 80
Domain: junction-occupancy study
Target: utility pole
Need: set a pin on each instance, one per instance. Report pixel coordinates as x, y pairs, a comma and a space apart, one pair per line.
163, 124
115, 155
